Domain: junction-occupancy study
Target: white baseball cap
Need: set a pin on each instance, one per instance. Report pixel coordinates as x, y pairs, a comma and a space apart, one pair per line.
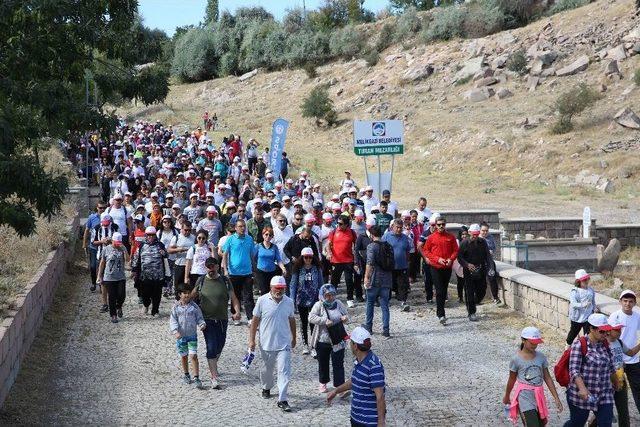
360, 335
368, 188
286, 197
627, 292
371, 221
211, 209
434, 217
306, 251
533, 334
582, 275
297, 203
309, 218
406, 214
359, 214
327, 215
150, 230
116, 237
474, 229
138, 218
600, 321
278, 282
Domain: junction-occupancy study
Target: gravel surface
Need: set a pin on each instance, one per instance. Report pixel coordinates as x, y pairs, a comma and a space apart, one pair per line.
85, 370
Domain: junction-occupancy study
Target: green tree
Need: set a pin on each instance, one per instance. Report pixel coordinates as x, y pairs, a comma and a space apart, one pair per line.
402, 5
47, 49
572, 103
211, 12
319, 106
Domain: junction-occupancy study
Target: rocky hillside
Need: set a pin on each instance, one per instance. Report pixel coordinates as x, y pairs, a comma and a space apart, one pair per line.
478, 135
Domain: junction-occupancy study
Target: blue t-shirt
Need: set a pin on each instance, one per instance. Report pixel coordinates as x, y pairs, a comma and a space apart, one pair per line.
401, 246
266, 259
92, 222
366, 376
240, 250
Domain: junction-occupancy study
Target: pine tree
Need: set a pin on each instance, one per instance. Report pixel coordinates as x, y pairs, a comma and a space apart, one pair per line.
212, 11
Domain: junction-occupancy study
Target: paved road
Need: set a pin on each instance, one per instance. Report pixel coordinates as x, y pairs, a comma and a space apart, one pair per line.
85, 370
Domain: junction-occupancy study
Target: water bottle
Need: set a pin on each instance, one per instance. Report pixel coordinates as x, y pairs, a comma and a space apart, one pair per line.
246, 361
507, 410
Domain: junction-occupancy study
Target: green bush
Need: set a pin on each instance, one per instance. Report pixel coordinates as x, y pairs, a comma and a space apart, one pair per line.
482, 19
371, 56
310, 69
347, 42
517, 62
562, 5
446, 24
305, 47
319, 106
228, 64
464, 80
636, 77
571, 103
517, 13
385, 38
408, 25
194, 56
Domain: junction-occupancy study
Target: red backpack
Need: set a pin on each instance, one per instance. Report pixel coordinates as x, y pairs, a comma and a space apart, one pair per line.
561, 369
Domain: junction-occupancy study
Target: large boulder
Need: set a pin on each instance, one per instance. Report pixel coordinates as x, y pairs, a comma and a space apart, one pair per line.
580, 64
617, 53
613, 70
627, 118
607, 258
247, 76
419, 72
470, 68
479, 94
486, 81
503, 93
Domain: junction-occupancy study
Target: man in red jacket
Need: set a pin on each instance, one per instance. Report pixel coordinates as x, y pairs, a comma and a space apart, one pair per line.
441, 249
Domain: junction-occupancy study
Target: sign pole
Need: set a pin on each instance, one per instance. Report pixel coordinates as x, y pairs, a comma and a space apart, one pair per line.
393, 161
366, 173
379, 177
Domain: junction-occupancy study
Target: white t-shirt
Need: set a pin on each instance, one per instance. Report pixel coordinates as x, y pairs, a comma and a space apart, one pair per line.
119, 216
198, 255
629, 333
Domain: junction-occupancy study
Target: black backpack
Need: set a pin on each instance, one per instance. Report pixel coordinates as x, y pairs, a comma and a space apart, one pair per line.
385, 259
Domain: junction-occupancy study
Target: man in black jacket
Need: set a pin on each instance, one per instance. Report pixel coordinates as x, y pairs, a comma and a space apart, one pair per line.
474, 257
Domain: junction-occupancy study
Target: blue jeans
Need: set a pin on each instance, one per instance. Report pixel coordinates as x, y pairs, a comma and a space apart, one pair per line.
578, 416
372, 294
215, 336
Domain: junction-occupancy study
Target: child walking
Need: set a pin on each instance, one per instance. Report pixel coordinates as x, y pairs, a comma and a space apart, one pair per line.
527, 370
582, 304
186, 317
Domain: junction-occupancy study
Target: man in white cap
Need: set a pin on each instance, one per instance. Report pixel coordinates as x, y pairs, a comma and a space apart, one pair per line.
212, 225
122, 218
367, 383
150, 266
631, 320
111, 274
426, 270
369, 199
474, 258
193, 211
274, 317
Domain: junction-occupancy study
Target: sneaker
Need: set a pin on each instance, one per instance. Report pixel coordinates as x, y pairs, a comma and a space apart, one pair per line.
350, 303
386, 334
104, 308
360, 299
497, 301
214, 384
266, 394
404, 306
322, 388
165, 294
114, 319
443, 320
120, 313
314, 354
473, 317
305, 349
92, 288
198, 383
186, 379
145, 310
429, 301
284, 405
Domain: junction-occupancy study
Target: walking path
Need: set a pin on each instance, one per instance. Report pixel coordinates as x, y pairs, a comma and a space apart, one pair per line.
84, 370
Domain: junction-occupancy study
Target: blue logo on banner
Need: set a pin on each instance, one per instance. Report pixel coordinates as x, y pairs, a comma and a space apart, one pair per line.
378, 129
278, 136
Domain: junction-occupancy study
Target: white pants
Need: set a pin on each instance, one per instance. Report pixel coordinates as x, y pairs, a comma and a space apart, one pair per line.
269, 360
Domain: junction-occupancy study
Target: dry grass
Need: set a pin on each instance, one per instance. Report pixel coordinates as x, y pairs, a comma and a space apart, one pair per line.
20, 258
628, 270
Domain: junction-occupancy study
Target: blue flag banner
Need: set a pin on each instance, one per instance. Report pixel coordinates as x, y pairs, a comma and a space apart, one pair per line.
278, 136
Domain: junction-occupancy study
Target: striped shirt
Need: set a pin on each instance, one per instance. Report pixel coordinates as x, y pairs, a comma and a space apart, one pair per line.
366, 376
595, 369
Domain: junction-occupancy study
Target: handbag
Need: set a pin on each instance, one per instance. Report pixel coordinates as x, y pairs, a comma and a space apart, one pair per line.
337, 332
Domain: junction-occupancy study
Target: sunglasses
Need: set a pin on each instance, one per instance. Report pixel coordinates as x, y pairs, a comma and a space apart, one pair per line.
188, 230
101, 208
307, 257
281, 221
201, 238
341, 223
442, 224
268, 235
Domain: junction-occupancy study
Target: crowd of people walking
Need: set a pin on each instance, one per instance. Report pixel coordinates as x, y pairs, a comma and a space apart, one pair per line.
208, 226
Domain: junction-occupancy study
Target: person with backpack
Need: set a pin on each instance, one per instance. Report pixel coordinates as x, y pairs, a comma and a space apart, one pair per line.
527, 372
618, 351
342, 240
582, 304
213, 292
306, 281
166, 234
441, 249
196, 257
150, 268
378, 279
591, 375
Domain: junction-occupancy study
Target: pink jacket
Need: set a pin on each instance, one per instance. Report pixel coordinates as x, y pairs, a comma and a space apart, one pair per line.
541, 402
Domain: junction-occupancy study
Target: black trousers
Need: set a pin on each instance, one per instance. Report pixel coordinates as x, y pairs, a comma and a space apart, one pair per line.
441, 278
428, 281
414, 265
400, 284
326, 355
460, 286
151, 293
304, 323
116, 294
471, 288
263, 279
574, 330
633, 376
243, 288
336, 273
178, 278
251, 163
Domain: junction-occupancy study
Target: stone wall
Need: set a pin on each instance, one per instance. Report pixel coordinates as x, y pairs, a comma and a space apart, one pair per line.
627, 234
550, 228
542, 298
19, 329
471, 216
551, 256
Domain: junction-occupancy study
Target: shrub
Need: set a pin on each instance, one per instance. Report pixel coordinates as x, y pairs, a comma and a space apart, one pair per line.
636, 77
446, 24
385, 38
482, 19
464, 80
371, 56
347, 42
318, 105
562, 5
310, 69
305, 47
228, 64
571, 103
409, 23
517, 62
194, 56
518, 13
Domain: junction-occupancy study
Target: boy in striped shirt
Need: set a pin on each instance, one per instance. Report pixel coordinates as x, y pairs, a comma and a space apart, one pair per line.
368, 406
